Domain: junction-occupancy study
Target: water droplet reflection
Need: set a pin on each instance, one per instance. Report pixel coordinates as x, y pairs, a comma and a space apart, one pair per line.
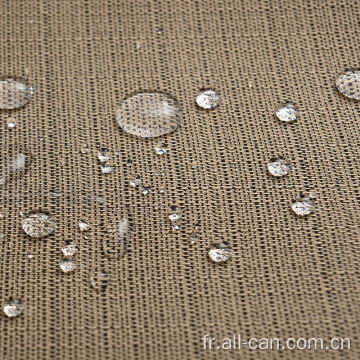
14, 93
149, 114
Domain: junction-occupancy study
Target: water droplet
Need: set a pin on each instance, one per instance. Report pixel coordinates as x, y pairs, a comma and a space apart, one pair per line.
103, 155
278, 167
161, 148
146, 190
99, 279
135, 181
39, 224
13, 308
208, 99
149, 114
106, 168
116, 244
31, 21
303, 207
138, 44
13, 165
70, 249
84, 225
85, 149
220, 253
175, 227
129, 162
348, 84
174, 213
14, 93
287, 113
11, 124
30, 256
68, 265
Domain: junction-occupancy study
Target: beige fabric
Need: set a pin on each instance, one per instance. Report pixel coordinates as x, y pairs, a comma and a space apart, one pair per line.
291, 277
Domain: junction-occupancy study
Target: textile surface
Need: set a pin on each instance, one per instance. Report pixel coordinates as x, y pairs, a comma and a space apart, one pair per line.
291, 276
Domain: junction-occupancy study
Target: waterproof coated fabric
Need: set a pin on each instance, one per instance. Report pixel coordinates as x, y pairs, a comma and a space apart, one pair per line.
290, 277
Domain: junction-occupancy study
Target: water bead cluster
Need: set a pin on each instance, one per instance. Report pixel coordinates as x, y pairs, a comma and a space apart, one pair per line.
145, 114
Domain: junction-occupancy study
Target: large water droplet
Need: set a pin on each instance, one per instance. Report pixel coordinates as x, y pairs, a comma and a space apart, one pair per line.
287, 113
13, 165
99, 279
13, 308
220, 253
116, 243
38, 225
68, 265
14, 93
348, 84
303, 207
208, 99
149, 114
278, 167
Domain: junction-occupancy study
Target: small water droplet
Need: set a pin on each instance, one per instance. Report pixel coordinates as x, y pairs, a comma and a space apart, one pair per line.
13, 165
208, 99
85, 149
287, 113
220, 253
103, 155
84, 225
30, 256
129, 162
68, 265
99, 279
303, 207
39, 224
135, 181
13, 308
161, 148
174, 213
146, 190
116, 243
175, 227
149, 114
11, 124
31, 21
14, 93
70, 249
106, 168
138, 44
348, 84
278, 167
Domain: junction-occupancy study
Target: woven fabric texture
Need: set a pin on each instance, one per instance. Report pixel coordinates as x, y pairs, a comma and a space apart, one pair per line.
291, 276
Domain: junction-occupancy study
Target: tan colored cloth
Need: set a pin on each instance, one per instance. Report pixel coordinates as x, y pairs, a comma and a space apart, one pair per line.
291, 277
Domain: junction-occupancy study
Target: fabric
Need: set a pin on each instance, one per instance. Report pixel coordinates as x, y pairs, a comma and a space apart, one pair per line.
291, 277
